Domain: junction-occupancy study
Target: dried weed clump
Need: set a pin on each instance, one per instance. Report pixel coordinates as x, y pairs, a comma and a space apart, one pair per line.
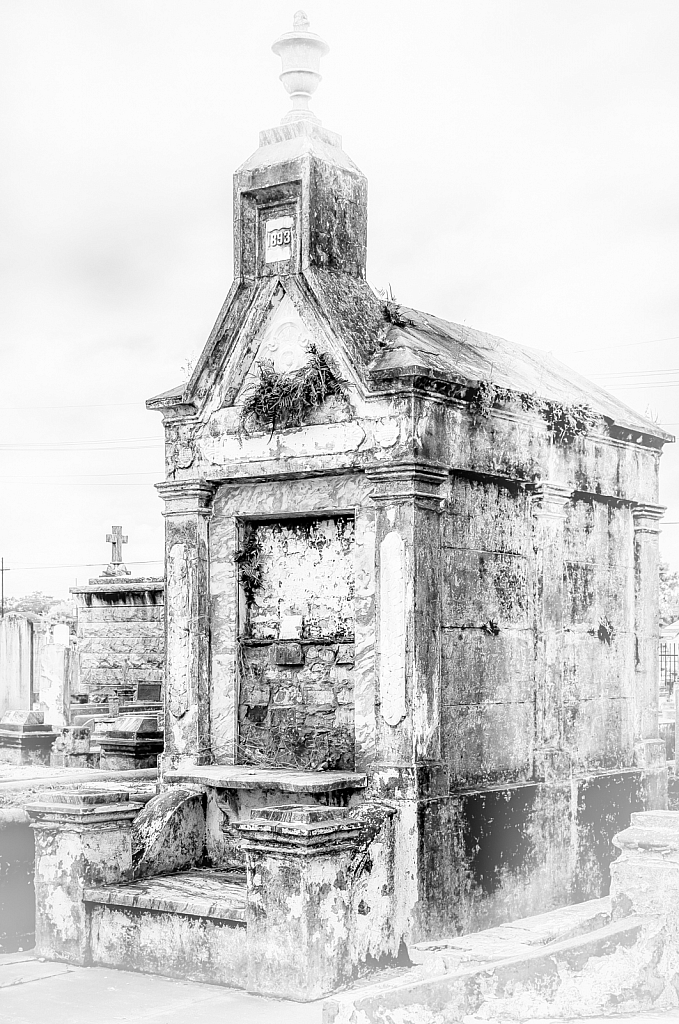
565, 420
285, 399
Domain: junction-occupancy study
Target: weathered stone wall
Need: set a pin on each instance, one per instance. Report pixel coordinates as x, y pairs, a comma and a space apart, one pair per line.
492, 629
16, 663
488, 656
598, 644
498, 854
121, 639
297, 696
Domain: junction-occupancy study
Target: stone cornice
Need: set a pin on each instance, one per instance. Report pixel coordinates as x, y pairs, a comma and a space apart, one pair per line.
408, 481
653, 513
549, 500
186, 497
647, 518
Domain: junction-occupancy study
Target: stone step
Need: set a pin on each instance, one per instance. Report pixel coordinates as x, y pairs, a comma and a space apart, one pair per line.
188, 925
202, 892
543, 981
513, 938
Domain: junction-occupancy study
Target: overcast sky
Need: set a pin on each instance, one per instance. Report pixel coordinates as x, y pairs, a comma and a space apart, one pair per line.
522, 163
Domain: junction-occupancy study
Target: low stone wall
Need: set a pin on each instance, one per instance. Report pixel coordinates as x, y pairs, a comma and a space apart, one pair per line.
17, 897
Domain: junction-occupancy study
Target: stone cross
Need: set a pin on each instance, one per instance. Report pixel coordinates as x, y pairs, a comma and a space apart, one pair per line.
116, 540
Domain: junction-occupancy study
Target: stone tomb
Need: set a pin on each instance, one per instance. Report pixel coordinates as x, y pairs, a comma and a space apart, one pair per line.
72, 748
411, 614
25, 739
131, 741
120, 634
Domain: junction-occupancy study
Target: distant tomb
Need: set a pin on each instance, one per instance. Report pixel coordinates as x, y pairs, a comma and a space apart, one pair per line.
120, 632
25, 738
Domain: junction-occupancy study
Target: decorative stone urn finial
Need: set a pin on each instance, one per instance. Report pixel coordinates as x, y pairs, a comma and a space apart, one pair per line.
300, 52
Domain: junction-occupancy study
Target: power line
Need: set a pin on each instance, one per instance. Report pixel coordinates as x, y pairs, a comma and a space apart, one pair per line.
97, 445
637, 385
636, 373
37, 449
93, 405
627, 344
81, 476
77, 565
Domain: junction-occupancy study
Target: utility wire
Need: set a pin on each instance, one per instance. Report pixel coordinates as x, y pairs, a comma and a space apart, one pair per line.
627, 344
637, 373
121, 444
83, 476
94, 405
78, 565
619, 385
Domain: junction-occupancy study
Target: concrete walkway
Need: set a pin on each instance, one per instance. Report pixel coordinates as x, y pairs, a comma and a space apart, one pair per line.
35, 992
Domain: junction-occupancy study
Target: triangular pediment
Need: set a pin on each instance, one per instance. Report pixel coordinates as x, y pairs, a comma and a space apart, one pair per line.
280, 328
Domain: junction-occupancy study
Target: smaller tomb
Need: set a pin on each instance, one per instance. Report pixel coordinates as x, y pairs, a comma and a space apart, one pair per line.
121, 644
25, 739
135, 741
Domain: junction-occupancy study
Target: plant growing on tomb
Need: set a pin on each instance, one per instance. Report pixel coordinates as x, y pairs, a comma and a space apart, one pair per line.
282, 400
250, 572
567, 420
605, 631
392, 311
485, 396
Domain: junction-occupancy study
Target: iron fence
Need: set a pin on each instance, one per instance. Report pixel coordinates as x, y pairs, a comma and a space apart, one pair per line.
669, 666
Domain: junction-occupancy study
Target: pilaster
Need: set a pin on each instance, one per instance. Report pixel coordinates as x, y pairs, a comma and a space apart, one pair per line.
646, 618
187, 628
548, 506
408, 497
299, 899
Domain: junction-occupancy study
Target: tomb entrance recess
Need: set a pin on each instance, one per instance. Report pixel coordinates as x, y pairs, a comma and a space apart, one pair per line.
296, 643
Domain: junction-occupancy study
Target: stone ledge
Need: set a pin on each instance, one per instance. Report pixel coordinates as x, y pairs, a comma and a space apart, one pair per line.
282, 779
200, 893
117, 586
461, 992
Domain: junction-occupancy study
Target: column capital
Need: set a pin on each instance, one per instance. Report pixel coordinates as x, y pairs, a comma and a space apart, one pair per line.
407, 481
186, 497
300, 831
549, 500
647, 517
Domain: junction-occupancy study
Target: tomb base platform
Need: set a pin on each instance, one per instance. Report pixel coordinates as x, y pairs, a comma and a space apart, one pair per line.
134, 742
121, 755
189, 925
26, 743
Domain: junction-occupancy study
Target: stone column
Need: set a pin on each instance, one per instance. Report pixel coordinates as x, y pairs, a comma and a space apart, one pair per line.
646, 615
408, 611
548, 503
299, 900
187, 622
82, 838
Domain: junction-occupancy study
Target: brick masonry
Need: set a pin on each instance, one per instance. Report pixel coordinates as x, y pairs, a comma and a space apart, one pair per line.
297, 696
120, 636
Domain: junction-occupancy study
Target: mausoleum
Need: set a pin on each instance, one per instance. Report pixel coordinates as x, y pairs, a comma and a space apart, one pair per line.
411, 613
